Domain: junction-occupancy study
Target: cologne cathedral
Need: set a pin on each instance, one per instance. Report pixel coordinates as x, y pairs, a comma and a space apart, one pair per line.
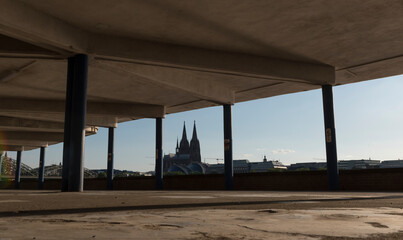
185, 153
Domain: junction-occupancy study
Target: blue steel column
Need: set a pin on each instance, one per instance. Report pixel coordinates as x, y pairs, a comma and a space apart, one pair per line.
67, 125
228, 164
17, 178
41, 170
331, 151
158, 154
109, 174
78, 116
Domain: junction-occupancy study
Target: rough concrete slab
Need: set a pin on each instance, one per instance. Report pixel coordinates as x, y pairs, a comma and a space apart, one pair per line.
200, 215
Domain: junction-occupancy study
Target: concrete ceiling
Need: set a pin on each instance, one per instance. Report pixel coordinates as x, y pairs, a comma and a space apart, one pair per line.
151, 57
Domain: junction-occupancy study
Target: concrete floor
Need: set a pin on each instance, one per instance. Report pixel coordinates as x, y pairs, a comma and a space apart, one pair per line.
200, 215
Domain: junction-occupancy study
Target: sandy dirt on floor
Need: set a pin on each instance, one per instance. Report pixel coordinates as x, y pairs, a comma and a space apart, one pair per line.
201, 215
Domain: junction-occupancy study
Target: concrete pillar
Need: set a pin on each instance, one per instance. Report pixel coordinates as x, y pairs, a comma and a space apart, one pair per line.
158, 154
17, 178
67, 125
330, 135
41, 170
75, 116
228, 161
109, 173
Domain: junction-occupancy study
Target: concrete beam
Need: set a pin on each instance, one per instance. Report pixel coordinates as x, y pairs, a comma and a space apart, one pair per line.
270, 90
371, 70
93, 108
141, 110
190, 106
11, 47
198, 59
19, 21
22, 22
23, 124
30, 124
104, 121
202, 87
6, 76
29, 143
33, 136
26, 124
15, 148
5, 147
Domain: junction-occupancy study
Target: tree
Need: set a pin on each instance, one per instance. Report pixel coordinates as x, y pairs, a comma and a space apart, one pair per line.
101, 175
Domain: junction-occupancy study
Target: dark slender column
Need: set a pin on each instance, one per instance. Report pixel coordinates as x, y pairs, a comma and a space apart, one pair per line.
41, 170
77, 127
109, 174
331, 151
228, 165
158, 154
17, 178
1, 163
67, 125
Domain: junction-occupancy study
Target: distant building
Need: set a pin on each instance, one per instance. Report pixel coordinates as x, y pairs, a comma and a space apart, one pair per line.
342, 164
308, 166
185, 153
241, 166
192, 168
391, 164
245, 166
265, 165
358, 164
215, 168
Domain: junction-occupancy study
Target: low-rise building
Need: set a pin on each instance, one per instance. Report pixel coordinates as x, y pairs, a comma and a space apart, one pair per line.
359, 164
241, 166
245, 166
307, 166
266, 166
215, 168
391, 164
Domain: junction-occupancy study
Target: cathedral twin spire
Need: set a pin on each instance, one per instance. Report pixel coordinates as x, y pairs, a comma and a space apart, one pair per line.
193, 149
184, 144
194, 136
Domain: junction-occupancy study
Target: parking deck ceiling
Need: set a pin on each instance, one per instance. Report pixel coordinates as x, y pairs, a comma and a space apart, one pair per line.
148, 58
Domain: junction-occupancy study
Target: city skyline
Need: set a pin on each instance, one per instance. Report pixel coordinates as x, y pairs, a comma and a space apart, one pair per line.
288, 128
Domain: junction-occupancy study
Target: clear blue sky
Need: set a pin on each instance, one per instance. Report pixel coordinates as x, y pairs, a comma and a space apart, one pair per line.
289, 128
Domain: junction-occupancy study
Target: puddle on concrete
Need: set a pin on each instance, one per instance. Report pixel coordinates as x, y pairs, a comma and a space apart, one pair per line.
377, 225
162, 226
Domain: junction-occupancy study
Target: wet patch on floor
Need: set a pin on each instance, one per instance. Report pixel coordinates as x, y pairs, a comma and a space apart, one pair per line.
161, 226
377, 225
339, 216
267, 211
